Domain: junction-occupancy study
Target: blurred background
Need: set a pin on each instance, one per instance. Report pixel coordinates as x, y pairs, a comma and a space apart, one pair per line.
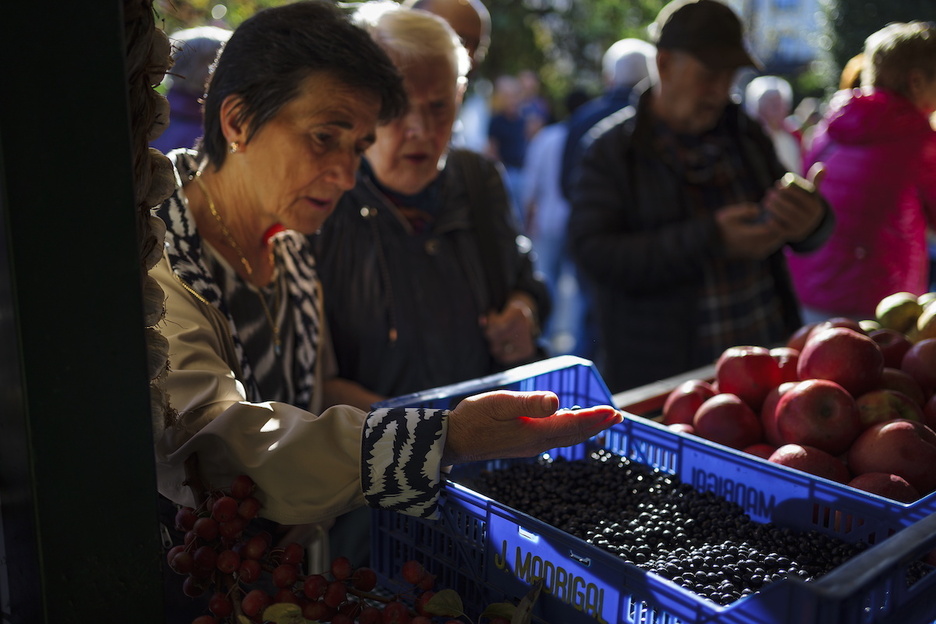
808, 42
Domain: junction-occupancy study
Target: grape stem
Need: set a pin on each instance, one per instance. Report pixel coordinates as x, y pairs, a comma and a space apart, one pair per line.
235, 593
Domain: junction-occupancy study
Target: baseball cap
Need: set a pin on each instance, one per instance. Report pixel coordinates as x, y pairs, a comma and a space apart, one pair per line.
706, 29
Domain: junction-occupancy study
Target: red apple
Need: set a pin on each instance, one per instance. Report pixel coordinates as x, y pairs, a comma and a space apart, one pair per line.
893, 343
886, 485
812, 460
839, 321
683, 401
748, 372
920, 363
728, 420
842, 355
883, 404
768, 414
929, 413
896, 379
798, 339
761, 449
819, 413
901, 447
787, 359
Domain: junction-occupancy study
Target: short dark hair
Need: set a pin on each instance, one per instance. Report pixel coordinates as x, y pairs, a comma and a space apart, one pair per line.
272, 52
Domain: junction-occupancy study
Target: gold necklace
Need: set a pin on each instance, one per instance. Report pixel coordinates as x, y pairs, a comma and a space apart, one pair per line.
277, 346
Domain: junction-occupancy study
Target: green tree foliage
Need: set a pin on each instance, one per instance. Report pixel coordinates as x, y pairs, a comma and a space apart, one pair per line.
849, 22
562, 39
173, 15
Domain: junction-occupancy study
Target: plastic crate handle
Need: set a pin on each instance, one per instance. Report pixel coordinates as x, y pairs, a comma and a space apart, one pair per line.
585, 561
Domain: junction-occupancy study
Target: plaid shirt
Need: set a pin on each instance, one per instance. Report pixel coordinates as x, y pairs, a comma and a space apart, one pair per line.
738, 302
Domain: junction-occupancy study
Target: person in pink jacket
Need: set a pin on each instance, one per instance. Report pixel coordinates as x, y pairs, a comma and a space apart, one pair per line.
879, 152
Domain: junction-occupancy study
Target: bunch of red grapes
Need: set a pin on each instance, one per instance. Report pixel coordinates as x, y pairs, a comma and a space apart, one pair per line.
220, 556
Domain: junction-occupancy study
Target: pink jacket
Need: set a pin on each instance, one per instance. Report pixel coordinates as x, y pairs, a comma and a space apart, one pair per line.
880, 158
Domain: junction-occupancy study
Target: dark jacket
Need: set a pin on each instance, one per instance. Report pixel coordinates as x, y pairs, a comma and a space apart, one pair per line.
633, 237
581, 121
403, 307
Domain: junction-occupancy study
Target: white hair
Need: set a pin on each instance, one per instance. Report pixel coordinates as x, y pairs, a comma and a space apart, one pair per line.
762, 86
412, 36
627, 62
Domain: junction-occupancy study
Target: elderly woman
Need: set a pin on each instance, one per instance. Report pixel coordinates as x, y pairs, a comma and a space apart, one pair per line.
285, 128
426, 280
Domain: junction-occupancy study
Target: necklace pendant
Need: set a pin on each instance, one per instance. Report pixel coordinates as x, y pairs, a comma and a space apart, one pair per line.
277, 349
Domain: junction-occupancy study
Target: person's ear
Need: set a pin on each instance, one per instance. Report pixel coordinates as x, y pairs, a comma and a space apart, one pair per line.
233, 128
664, 61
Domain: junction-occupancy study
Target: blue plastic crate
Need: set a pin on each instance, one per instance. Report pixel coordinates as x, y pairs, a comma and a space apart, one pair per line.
573, 379
489, 552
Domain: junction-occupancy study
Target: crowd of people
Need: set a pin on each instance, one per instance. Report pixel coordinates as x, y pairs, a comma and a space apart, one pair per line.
332, 243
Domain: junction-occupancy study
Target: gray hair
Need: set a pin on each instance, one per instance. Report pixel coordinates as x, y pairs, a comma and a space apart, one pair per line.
627, 62
762, 86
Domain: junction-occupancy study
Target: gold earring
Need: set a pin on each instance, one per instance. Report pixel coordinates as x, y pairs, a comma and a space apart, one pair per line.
233, 146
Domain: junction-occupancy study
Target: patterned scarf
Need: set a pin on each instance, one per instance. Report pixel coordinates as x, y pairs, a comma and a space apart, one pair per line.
738, 301
183, 246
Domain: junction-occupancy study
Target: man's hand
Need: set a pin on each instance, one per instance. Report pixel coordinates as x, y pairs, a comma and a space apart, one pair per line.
744, 234
504, 424
789, 212
793, 206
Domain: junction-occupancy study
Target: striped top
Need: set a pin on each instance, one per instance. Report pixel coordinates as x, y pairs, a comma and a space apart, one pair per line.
271, 370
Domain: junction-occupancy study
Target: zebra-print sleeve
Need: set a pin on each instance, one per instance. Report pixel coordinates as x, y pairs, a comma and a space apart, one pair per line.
401, 457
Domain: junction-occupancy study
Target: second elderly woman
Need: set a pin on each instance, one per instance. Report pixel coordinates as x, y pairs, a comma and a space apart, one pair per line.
427, 281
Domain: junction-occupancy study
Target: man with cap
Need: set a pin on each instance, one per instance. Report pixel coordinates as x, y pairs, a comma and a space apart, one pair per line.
681, 211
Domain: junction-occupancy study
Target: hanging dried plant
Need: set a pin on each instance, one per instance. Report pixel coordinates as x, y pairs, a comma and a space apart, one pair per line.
154, 302
148, 59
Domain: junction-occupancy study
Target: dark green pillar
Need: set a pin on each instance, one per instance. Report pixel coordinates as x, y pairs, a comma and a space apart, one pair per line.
80, 540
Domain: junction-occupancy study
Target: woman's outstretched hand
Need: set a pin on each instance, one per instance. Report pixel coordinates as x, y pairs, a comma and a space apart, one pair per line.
504, 424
